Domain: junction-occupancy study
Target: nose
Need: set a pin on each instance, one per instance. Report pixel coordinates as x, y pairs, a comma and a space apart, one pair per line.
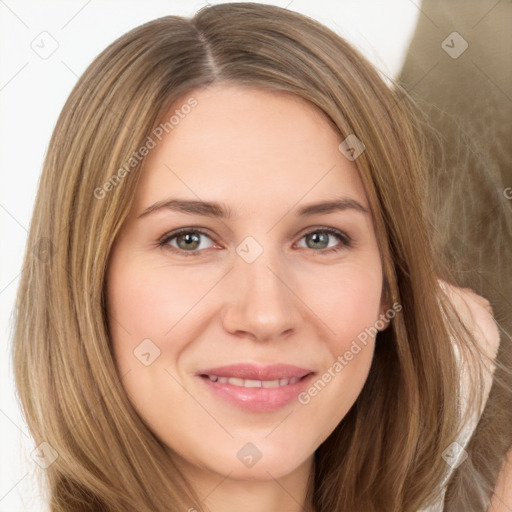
260, 300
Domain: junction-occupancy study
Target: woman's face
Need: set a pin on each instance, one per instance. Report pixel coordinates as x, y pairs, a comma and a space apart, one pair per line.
266, 285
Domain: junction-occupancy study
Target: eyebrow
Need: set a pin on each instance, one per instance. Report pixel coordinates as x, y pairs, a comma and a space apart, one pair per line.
215, 209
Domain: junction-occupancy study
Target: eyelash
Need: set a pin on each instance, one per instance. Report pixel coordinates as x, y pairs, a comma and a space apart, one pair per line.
347, 242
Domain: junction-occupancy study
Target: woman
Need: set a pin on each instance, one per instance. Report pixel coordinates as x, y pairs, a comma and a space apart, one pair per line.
259, 371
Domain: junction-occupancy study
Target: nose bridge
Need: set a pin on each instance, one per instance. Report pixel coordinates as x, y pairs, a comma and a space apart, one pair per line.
260, 301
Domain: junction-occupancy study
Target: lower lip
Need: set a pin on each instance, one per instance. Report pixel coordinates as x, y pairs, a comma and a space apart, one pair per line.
258, 399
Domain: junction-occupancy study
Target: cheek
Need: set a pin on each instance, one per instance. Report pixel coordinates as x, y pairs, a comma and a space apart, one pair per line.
347, 363
146, 302
158, 303
347, 300
349, 307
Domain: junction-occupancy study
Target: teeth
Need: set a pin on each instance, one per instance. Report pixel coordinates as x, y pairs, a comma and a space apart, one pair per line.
249, 383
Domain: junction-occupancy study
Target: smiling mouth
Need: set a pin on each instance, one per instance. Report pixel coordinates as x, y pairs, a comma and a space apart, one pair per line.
254, 395
254, 383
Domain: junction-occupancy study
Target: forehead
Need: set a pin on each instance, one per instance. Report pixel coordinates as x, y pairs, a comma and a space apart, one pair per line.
248, 145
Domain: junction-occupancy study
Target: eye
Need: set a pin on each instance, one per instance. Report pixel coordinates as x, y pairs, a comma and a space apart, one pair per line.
320, 237
187, 241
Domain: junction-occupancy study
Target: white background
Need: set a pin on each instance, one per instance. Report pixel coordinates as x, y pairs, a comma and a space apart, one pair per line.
32, 93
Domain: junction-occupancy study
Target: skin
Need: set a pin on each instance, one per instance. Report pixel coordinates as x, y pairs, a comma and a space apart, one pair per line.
263, 154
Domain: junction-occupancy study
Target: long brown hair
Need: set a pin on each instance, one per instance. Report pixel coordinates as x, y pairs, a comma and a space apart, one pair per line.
386, 454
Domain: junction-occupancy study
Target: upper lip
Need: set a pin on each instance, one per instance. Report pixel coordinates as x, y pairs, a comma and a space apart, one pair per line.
256, 372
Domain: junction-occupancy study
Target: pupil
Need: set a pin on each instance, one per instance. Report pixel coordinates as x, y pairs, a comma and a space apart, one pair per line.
316, 237
189, 239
